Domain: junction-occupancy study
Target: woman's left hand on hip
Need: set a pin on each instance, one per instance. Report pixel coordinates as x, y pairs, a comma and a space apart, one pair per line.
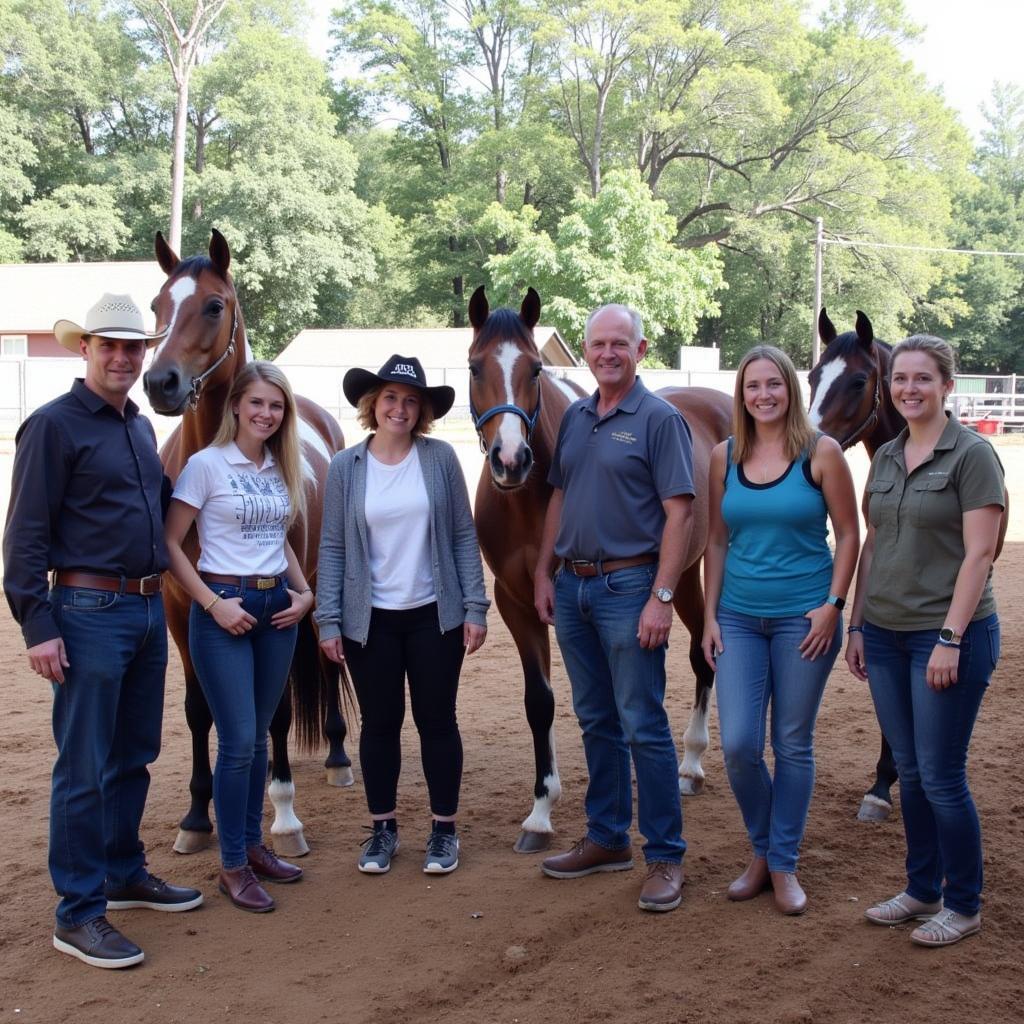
300, 604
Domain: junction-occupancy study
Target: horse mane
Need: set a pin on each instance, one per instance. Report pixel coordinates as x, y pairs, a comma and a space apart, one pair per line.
503, 322
194, 266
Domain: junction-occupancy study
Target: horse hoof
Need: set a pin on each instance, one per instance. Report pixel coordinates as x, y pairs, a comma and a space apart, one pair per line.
873, 808
191, 842
291, 844
340, 776
691, 785
532, 842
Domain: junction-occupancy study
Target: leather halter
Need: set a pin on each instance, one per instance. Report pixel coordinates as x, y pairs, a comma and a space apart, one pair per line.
479, 419
851, 439
197, 382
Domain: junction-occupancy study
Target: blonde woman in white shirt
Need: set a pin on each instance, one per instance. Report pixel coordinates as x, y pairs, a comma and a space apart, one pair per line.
248, 595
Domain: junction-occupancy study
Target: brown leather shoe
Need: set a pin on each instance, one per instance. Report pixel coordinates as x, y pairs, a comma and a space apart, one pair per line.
268, 866
789, 897
751, 883
663, 887
240, 886
585, 858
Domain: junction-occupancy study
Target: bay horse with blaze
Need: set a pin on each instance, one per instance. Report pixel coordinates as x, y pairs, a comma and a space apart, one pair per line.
190, 376
516, 408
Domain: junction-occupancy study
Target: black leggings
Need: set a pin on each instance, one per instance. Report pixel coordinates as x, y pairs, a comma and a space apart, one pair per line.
402, 643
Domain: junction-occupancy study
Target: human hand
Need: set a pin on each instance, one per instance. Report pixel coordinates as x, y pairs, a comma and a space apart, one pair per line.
300, 604
229, 614
711, 643
855, 656
333, 649
544, 598
823, 629
942, 667
49, 659
655, 623
473, 636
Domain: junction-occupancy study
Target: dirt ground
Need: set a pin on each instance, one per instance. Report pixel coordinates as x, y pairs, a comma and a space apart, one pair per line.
497, 941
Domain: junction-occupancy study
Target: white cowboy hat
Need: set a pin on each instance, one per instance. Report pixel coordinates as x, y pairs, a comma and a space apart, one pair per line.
114, 316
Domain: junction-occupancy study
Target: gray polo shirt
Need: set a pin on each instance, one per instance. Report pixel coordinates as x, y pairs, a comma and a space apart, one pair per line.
615, 471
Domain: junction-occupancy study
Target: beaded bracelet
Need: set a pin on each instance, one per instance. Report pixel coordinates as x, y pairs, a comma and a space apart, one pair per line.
854, 629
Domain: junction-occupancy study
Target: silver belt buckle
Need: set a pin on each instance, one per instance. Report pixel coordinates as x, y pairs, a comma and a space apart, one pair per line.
150, 585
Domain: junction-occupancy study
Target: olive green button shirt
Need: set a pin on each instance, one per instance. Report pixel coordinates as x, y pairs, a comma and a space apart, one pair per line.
918, 521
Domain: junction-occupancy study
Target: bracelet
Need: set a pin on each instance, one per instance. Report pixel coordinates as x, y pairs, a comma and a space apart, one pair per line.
308, 590
854, 629
216, 598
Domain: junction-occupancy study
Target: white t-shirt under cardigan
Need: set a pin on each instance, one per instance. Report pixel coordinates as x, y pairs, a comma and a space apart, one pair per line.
398, 529
242, 511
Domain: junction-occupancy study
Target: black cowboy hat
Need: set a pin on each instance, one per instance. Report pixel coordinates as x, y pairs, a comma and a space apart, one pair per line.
398, 370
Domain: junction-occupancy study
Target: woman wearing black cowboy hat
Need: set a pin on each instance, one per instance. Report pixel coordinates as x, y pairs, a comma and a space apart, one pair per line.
400, 593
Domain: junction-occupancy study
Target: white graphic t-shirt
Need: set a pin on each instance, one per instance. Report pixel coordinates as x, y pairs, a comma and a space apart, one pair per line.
243, 511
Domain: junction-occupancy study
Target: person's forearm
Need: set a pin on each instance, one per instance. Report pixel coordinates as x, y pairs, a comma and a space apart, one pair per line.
863, 572
296, 577
714, 571
185, 573
675, 542
844, 562
970, 582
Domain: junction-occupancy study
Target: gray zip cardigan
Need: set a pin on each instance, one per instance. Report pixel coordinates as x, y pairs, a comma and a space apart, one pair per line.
343, 592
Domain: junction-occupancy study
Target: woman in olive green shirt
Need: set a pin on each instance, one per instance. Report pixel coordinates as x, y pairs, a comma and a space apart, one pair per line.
925, 635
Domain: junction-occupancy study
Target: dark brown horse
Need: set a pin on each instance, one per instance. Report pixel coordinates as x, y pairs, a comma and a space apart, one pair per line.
190, 376
516, 408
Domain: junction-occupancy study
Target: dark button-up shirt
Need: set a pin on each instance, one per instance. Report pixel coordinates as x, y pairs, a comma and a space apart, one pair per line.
86, 495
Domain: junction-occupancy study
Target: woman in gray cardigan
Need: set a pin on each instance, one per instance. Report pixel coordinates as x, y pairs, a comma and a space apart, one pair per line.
400, 593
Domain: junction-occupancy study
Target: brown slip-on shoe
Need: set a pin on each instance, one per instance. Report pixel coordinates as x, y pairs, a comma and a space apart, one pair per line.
751, 883
586, 858
268, 866
240, 886
663, 887
789, 897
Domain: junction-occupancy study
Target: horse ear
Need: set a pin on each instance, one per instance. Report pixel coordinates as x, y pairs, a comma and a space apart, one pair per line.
220, 253
865, 332
478, 308
826, 329
165, 255
529, 311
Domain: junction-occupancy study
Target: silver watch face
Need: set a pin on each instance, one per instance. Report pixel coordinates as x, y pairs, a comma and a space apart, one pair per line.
663, 594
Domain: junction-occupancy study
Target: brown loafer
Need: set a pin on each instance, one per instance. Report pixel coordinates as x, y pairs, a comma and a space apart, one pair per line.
585, 858
240, 886
663, 887
789, 897
268, 866
751, 883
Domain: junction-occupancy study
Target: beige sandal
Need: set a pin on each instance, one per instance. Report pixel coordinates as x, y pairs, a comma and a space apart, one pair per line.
900, 909
946, 928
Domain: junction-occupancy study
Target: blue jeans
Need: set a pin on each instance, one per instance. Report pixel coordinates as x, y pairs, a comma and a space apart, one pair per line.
762, 664
618, 693
242, 678
929, 732
107, 716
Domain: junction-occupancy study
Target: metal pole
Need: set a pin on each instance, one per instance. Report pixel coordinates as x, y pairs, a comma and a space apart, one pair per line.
819, 254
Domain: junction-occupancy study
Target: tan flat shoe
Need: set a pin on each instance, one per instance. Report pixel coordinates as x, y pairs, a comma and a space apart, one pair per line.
789, 897
751, 883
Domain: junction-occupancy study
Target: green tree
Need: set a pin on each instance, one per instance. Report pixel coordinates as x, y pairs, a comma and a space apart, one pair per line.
77, 222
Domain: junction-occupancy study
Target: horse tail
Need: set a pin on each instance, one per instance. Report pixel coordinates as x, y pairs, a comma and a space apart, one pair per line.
315, 680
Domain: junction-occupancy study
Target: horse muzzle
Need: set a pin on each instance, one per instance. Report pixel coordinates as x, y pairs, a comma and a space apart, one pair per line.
167, 391
509, 472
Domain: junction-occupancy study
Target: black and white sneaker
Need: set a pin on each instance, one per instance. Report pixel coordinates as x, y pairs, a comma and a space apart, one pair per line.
97, 943
442, 853
378, 850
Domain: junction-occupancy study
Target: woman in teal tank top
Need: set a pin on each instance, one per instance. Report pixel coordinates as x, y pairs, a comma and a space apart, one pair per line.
773, 599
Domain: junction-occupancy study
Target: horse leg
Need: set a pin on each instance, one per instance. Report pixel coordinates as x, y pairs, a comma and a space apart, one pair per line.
338, 763
877, 802
286, 830
689, 603
196, 829
531, 638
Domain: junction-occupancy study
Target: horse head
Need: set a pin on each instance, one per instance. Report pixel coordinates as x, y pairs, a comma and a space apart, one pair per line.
199, 306
849, 393
504, 385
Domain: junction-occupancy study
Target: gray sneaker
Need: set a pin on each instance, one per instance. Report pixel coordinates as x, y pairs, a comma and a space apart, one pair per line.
442, 853
378, 849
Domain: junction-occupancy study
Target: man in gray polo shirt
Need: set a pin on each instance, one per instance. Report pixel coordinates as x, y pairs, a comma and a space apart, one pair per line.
616, 531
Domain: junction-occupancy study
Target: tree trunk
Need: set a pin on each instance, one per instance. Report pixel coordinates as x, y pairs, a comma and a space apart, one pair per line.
178, 161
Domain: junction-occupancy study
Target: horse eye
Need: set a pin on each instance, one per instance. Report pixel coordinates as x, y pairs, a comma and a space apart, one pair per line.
536, 371
474, 371
215, 308
152, 306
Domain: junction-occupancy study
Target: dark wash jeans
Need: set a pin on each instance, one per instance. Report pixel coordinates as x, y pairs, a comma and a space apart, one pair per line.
929, 732
107, 716
242, 678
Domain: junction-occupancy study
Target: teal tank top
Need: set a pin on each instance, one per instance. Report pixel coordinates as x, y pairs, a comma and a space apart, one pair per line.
778, 562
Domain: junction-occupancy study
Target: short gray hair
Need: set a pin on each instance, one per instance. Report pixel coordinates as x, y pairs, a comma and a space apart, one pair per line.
634, 319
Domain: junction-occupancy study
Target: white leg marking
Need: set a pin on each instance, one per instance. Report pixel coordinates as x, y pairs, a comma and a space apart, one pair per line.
830, 373
282, 796
539, 819
695, 742
183, 288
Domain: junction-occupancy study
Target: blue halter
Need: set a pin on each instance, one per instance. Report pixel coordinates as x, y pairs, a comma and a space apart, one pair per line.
480, 419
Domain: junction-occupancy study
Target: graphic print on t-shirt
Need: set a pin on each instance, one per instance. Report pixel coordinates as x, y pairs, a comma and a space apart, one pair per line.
261, 507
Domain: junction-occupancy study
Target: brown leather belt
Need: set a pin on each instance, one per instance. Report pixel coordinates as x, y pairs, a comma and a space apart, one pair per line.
147, 586
580, 567
243, 582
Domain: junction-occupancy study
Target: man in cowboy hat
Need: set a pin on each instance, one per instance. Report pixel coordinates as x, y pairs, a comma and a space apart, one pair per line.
86, 505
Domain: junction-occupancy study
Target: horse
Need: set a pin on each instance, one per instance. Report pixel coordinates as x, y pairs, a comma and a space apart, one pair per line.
516, 408
190, 376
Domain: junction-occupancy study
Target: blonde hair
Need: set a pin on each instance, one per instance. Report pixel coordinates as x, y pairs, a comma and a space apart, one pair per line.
368, 420
283, 443
800, 435
940, 351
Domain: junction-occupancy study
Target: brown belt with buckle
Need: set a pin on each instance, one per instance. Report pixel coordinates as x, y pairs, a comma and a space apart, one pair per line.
581, 567
147, 586
243, 582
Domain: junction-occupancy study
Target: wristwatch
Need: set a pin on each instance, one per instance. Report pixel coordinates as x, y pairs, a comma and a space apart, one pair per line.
664, 595
948, 635
839, 603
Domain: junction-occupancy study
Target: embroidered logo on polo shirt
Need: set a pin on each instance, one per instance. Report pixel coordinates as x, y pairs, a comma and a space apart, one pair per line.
406, 369
623, 437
